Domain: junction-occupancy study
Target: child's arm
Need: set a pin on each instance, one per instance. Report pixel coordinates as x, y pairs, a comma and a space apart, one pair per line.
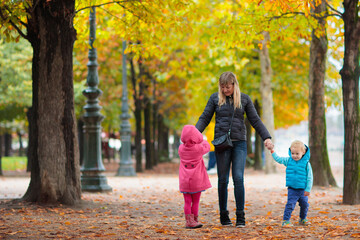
281, 160
309, 180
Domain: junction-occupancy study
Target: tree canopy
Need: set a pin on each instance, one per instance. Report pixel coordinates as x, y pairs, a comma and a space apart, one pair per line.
191, 43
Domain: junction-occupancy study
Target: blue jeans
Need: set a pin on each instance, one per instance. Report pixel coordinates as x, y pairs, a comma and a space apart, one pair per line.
294, 196
234, 158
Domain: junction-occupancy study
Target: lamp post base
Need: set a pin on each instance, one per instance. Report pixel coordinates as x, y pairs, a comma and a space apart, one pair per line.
94, 183
126, 170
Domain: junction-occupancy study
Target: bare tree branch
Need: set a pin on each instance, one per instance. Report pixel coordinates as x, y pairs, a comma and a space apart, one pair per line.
105, 10
21, 22
337, 13
291, 14
103, 4
3, 17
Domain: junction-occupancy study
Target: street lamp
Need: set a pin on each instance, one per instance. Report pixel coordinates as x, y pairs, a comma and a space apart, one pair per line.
92, 179
126, 167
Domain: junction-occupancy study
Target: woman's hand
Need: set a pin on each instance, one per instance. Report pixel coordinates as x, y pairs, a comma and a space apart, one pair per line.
269, 144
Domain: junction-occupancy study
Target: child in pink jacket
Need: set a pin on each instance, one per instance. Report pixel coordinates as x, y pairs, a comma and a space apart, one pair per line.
193, 178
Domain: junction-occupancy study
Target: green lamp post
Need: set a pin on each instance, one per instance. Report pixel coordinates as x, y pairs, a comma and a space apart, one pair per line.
92, 179
126, 167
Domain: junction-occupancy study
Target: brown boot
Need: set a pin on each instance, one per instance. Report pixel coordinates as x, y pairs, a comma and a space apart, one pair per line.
190, 222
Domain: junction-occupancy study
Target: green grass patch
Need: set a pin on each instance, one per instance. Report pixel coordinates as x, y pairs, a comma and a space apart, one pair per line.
13, 163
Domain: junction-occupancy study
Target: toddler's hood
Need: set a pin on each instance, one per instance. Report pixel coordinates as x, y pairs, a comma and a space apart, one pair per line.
190, 135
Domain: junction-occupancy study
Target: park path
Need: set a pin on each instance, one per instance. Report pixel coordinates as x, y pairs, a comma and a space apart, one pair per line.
149, 206
15, 184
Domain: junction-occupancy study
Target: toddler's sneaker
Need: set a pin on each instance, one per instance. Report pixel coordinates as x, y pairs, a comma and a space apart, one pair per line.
304, 222
286, 223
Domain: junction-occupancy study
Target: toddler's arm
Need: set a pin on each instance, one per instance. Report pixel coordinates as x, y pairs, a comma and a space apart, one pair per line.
277, 158
281, 160
309, 179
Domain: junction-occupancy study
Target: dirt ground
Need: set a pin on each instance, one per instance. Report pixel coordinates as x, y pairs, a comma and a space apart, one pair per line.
149, 206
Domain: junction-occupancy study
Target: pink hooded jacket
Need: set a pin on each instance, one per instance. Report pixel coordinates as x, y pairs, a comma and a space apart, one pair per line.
192, 171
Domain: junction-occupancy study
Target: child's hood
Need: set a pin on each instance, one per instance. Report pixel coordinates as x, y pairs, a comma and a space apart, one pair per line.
306, 155
190, 135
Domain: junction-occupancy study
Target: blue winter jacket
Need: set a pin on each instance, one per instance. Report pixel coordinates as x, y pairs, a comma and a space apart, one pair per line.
298, 173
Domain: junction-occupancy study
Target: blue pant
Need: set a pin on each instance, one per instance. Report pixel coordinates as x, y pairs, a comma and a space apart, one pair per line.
234, 158
294, 196
212, 160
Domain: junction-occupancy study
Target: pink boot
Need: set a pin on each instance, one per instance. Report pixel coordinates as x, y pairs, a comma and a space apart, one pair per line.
196, 217
190, 222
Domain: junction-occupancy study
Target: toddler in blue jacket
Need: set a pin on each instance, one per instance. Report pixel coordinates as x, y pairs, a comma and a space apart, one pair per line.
299, 180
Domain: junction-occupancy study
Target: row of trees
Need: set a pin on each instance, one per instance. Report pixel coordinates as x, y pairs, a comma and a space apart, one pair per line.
177, 50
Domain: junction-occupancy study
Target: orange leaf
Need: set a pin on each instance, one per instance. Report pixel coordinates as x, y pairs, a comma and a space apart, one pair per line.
216, 228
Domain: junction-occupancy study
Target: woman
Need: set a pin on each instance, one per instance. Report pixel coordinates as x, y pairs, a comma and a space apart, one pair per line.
223, 103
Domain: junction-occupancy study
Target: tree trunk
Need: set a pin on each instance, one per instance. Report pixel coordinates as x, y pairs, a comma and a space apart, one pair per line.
21, 145
317, 122
159, 138
258, 164
155, 134
176, 145
148, 138
267, 99
138, 137
1, 145
80, 132
8, 149
350, 85
32, 140
154, 126
55, 173
165, 134
138, 119
163, 140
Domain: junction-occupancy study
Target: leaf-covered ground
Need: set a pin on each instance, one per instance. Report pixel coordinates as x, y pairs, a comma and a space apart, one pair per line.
149, 206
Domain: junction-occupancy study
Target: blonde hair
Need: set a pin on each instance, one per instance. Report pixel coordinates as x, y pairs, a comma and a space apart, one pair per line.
298, 143
225, 79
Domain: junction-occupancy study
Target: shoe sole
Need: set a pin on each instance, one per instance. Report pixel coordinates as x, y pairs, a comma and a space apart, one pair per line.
199, 226
240, 226
227, 224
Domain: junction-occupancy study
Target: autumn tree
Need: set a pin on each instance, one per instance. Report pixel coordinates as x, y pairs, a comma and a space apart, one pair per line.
145, 28
55, 174
267, 97
317, 122
53, 135
243, 26
137, 94
350, 73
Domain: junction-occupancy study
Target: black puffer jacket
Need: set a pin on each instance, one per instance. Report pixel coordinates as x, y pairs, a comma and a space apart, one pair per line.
223, 117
